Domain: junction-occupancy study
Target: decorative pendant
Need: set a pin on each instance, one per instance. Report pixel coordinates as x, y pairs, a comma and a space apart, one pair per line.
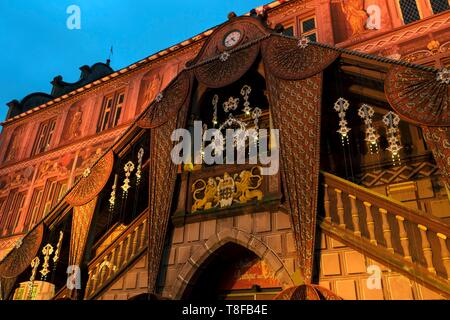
46, 251
139, 167
245, 92
391, 120
341, 106
366, 112
128, 168
231, 104
255, 115
58, 250
112, 198
215, 101
34, 266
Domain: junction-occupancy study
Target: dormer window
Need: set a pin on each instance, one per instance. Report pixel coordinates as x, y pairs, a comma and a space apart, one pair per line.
409, 10
44, 136
439, 6
111, 111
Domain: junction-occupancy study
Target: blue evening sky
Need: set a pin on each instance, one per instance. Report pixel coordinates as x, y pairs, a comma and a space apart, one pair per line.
36, 44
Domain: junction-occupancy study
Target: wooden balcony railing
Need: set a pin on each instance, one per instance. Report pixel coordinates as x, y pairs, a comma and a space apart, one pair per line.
403, 238
117, 256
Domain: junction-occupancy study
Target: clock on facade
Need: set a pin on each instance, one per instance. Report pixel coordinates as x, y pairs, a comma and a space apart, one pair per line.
232, 38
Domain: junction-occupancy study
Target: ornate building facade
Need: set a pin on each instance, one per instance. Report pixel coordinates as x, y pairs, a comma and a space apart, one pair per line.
92, 206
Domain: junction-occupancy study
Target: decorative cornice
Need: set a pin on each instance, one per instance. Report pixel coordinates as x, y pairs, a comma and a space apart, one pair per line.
64, 150
404, 33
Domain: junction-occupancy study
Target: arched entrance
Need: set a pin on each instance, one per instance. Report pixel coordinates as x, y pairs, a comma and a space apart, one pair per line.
233, 272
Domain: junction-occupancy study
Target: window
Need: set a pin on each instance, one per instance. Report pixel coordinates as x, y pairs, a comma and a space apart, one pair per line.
308, 28
410, 11
33, 212
53, 193
12, 212
289, 31
439, 5
111, 111
44, 136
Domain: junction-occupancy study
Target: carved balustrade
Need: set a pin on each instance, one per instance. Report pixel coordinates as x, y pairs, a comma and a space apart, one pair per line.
117, 256
386, 228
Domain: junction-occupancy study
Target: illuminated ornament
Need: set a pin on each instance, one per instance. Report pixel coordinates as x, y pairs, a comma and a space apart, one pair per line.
341, 106
58, 250
443, 76
202, 146
86, 172
366, 112
231, 104
112, 198
18, 243
215, 101
391, 120
46, 251
159, 97
239, 139
255, 115
303, 43
245, 92
139, 167
128, 168
218, 144
224, 56
34, 266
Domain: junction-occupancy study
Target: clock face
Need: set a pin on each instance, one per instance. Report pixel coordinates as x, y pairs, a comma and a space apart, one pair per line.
232, 39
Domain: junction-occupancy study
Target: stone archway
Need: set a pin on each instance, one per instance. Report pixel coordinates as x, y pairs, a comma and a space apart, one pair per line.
216, 241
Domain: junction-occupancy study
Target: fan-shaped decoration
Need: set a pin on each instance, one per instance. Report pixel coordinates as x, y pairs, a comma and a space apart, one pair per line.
222, 72
307, 292
287, 60
20, 257
418, 96
168, 103
233, 62
92, 182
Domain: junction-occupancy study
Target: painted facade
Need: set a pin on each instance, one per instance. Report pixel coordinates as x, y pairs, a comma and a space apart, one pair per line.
46, 146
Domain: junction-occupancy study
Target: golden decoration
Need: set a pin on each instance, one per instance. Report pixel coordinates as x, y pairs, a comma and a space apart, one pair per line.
226, 190
112, 198
128, 168
58, 248
47, 252
434, 46
34, 266
139, 167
